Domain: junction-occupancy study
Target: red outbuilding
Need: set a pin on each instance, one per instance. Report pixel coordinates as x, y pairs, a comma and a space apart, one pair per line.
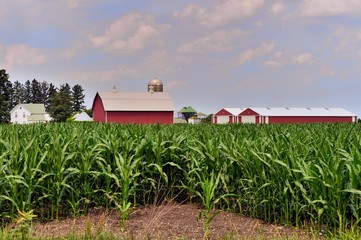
293, 115
227, 115
133, 107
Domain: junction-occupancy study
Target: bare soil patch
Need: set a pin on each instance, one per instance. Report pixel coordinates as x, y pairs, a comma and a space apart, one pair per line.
167, 221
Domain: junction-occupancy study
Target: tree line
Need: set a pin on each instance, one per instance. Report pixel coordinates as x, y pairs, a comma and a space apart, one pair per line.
60, 102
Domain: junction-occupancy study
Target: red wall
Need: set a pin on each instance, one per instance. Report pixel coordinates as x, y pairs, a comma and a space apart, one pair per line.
248, 112
146, 117
222, 112
308, 119
98, 110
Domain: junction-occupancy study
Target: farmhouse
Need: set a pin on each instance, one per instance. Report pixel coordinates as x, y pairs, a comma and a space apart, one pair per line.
29, 113
288, 115
154, 106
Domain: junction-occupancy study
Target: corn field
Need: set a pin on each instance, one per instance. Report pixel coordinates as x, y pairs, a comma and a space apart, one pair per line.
287, 174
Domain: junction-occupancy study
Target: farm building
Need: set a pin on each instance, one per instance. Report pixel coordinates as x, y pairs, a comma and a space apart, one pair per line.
81, 117
288, 115
227, 115
154, 106
29, 113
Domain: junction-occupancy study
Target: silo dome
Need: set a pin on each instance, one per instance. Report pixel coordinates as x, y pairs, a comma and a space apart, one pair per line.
155, 85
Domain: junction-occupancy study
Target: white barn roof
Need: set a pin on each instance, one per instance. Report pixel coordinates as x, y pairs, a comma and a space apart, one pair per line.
136, 101
234, 111
309, 112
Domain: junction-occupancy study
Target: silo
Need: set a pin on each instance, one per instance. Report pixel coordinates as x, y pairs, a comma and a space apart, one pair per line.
155, 85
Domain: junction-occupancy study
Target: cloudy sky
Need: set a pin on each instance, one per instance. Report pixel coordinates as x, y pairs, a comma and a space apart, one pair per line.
209, 54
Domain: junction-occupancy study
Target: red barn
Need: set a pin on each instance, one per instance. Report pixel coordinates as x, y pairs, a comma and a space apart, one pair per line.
294, 115
133, 107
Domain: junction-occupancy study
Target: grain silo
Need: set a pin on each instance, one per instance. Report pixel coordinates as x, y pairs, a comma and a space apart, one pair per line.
155, 85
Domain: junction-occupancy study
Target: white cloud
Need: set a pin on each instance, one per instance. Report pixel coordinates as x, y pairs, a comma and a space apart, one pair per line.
246, 56
303, 58
278, 7
107, 75
129, 34
191, 11
158, 63
250, 54
23, 55
75, 3
273, 64
216, 42
349, 38
278, 54
316, 8
278, 60
223, 12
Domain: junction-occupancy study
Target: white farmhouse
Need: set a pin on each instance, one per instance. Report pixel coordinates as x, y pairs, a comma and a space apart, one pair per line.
29, 113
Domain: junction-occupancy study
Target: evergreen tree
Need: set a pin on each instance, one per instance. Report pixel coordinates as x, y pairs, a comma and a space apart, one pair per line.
5, 96
44, 89
18, 93
51, 93
35, 92
61, 104
78, 97
27, 92
9, 87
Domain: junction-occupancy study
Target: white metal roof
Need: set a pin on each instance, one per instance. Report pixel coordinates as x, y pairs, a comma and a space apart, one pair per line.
136, 101
315, 112
83, 116
31, 107
234, 111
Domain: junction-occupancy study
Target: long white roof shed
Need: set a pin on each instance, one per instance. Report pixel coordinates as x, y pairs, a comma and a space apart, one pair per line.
309, 112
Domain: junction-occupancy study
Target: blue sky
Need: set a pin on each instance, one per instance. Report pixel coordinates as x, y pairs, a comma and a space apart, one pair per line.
209, 54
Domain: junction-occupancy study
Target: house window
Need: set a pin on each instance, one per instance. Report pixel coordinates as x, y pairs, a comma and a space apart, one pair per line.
16, 115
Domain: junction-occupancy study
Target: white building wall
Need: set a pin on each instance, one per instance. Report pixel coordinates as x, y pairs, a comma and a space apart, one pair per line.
248, 119
222, 119
19, 115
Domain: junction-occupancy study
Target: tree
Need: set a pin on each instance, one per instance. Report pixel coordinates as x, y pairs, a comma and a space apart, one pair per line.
36, 92
27, 92
61, 104
18, 93
51, 93
187, 112
5, 96
78, 97
208, 119
89, 112
43, 92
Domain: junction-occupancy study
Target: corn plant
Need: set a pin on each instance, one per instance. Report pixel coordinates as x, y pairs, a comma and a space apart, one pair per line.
296, 174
